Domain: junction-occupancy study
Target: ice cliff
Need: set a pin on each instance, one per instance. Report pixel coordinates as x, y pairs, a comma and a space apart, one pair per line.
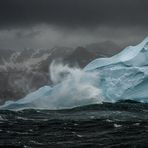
123, 76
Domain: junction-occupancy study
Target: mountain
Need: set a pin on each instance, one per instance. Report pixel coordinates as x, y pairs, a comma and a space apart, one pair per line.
23, 71
80, 57
104, 49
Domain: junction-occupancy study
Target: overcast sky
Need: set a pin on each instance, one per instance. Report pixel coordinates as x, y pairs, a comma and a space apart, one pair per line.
49, 23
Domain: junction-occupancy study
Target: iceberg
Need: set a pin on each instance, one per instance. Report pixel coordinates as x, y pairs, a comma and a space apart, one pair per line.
120, 77
125, 75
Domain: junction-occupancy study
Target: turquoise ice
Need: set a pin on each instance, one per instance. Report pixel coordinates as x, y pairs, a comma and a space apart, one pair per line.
125, 75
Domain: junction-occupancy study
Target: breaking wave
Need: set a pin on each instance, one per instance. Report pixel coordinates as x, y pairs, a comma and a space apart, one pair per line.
72, 87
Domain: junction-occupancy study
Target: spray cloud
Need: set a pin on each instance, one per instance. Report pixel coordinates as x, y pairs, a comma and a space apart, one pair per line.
77, 87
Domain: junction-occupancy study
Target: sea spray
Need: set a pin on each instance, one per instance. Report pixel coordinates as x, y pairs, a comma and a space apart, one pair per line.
72, 87
77, 87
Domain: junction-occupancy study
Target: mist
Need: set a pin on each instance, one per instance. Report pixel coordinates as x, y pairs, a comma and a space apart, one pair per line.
47, 36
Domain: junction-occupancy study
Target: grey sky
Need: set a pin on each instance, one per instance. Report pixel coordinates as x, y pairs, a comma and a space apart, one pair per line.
48, 23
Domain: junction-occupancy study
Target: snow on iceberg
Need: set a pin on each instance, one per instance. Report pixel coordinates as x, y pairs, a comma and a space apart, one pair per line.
123, 76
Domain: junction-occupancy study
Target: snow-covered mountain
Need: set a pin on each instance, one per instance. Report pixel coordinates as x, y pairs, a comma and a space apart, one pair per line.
23, 71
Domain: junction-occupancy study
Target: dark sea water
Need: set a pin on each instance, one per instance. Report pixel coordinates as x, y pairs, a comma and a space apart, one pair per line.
109, 125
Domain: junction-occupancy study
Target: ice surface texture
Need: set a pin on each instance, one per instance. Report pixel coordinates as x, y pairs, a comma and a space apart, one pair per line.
123, 76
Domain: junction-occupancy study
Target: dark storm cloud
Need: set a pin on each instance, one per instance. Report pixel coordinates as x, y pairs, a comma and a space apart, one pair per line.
49, 23
73, 13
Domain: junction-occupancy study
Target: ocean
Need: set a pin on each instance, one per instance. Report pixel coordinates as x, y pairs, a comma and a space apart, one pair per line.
109, 125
